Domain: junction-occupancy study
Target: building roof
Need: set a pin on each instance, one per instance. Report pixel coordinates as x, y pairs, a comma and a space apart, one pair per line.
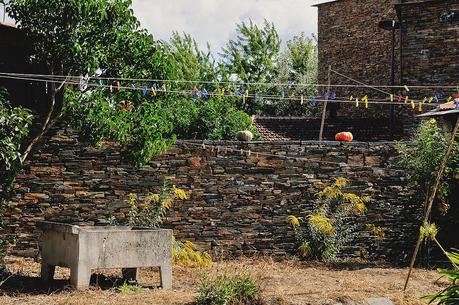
307, 129
7, 24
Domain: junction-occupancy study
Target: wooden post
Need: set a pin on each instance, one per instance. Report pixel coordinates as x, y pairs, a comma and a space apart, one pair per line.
432, 198
324, 112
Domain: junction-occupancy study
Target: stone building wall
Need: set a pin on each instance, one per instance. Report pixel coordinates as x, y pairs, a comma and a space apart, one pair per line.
238, 204
350, 41
430, 44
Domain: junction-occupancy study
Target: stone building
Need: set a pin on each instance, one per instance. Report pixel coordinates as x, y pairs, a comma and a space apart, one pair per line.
352, 43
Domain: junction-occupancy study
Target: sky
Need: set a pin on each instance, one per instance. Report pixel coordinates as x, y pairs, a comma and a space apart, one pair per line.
214, 21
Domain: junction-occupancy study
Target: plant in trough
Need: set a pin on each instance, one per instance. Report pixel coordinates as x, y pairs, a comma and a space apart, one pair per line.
228, 289
323, 233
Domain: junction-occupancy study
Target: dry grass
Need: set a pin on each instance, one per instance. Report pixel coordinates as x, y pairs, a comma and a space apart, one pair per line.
286, 282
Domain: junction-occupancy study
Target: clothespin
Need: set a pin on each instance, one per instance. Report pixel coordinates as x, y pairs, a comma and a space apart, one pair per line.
436, 99
249, 153
223, 91
242, 151
420, 106
204, 93
258, 155
247, 93
302, 100
406, 88
118, 86
325, 96
357, 102
333, 96
430, 100
424, 100
111, 88
351, 98
314, 101
196, 92
283, 94
153, 89
392, 98
412, 104
457, 105
366, 101
145, 91
46, 87
406, 99
164, 88
400, 98
449, 99
203, 145
101, 83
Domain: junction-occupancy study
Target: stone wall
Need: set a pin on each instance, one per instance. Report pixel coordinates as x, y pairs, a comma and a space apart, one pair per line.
350, 41
238, 203
430, 44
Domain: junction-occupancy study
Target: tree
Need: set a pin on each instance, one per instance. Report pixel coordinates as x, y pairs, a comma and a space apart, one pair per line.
298, 64
77, 37
251, 58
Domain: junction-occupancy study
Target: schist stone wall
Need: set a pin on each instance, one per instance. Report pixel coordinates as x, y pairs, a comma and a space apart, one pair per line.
350, 41
238, 204
430, 44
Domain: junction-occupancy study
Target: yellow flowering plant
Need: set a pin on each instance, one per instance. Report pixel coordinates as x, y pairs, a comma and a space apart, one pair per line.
324, 232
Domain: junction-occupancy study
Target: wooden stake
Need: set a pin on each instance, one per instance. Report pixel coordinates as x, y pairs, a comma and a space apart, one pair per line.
324, 112
432, 198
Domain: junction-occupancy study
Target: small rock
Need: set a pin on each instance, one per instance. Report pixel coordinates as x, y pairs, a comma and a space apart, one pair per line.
245, 136
380, 301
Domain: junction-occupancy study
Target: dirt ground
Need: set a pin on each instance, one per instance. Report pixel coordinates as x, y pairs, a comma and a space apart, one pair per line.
286, 282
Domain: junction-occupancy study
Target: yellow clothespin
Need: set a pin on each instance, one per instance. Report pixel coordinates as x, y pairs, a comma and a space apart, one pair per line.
430, 100
406, 99
153, 91
203, 146
357, 102
450, 98
223, 91
302, 100
351, 98
420, 106
412, 104
406, 88
424, 100
366, 101
247, 93
392, 98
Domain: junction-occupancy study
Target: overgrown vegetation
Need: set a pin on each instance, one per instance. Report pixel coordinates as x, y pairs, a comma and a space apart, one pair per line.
238, 288
449, 295
330, 227
421, 161
150, 213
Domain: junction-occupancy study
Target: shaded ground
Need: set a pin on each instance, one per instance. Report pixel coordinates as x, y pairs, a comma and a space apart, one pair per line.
288, 282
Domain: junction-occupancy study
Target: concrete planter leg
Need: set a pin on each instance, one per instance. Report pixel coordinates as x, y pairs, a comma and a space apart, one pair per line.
166, 276
80, 277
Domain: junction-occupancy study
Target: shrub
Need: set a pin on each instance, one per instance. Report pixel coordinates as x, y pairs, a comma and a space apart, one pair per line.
130, 289
450, 295
186, 254
324, 232
422, 159
228, 289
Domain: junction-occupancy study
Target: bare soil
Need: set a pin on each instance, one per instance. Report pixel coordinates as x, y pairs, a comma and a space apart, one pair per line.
284, 282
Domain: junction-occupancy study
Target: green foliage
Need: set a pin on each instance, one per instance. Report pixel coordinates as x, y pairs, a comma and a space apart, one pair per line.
251, 57
297, 64
422, 159
14, 127
228, 289
130, 289
323, 233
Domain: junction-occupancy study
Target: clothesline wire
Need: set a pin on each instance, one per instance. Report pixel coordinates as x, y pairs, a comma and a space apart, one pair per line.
189, 92
360, 83
234, 82
251, 153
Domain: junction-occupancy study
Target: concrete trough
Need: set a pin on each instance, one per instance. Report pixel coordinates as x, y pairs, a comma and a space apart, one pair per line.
83, 249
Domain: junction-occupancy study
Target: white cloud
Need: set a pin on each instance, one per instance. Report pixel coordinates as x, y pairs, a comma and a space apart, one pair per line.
214, 21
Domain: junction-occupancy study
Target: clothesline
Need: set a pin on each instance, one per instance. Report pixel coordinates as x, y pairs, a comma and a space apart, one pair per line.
297, 98
52, 76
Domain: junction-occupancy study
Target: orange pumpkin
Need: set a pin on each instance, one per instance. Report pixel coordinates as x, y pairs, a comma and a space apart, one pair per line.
344, 137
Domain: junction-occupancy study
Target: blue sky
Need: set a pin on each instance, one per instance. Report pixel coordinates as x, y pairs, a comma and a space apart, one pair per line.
214, 21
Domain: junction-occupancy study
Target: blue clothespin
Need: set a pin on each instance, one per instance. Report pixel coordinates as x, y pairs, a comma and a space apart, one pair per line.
145, 91
283, 94
204, 93
314, 101
457, 105
436, 99
325, 95
333, 96
238, 93
100, 82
